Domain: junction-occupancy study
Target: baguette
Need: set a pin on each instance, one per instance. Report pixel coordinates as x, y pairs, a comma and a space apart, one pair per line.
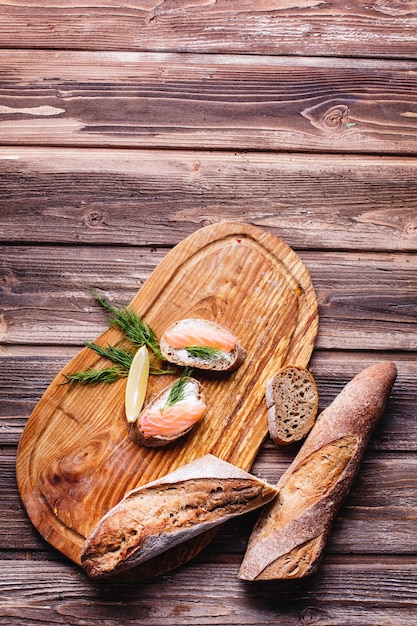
292, 401
203, 344
289, 537
169, 511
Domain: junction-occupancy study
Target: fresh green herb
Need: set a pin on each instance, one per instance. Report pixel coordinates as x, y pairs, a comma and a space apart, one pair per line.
137, 332
120, 356
135, 329
94, 376
177, 390
159, 371
123, 357
204, 352
104, 303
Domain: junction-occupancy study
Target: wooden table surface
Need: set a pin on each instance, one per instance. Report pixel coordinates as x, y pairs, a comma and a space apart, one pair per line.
125, 127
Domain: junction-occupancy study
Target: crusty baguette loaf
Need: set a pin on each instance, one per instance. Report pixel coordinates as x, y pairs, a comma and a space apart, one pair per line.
227, 360
292, 401
168, 511
289, 538
137, 432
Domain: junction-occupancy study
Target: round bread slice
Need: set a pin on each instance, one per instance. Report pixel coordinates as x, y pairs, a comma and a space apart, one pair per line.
164, 426
292, 401
191, 353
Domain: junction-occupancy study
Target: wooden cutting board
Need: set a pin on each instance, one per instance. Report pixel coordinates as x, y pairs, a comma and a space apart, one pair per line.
75, 460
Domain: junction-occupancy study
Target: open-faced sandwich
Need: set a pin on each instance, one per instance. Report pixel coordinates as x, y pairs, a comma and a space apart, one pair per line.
202, 344
170, 414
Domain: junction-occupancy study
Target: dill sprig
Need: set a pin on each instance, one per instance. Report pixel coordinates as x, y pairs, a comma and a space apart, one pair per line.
123, 357
134, 327
137, 331
204, 352
93, 376
177, 390
159, 371
123, 360
120, 356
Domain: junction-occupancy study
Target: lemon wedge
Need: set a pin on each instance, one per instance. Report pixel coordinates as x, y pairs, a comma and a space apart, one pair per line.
137, 382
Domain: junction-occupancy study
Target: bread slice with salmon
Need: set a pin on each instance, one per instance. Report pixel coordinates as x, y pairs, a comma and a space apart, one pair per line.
203, 344
162, 514
171, 414
290, 536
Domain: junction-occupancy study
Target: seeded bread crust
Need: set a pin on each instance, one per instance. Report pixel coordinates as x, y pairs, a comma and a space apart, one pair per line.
169, 511
180, 356
137, 436
292, 402
289, 538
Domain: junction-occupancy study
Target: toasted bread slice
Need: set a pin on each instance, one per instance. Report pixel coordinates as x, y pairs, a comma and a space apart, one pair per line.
163, 421
203, 344
292, 401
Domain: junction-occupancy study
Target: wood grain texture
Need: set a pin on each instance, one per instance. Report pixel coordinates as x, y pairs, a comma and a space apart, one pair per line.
75, 460
35, 367
236, 103
303, 27
361, 527
128, 127
156, 198
55, 593
366, 300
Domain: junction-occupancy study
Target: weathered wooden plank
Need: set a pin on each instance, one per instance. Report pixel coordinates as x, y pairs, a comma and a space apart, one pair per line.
366, 300
355, 592
183, 101
378, 516
25, 373
158, 197
17, 531
305, 27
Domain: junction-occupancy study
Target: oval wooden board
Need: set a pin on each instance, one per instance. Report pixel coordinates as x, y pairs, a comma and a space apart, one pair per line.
75, 460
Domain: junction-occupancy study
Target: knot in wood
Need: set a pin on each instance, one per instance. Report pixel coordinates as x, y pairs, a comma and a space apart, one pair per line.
94, 219
330, 116
335, 117
311, 615
8, 280
411, 229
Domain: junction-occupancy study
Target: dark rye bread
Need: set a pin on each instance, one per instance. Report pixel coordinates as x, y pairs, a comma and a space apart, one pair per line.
230, 360
292, 402
136, 433
289, 538
169, 511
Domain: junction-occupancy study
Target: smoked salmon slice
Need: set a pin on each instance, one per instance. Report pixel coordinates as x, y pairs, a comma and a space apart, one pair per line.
192, 332
170, 416
201, 343
173, 420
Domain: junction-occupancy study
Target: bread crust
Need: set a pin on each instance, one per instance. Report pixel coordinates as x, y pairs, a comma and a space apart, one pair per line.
289, 537
180, 357
169, 511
